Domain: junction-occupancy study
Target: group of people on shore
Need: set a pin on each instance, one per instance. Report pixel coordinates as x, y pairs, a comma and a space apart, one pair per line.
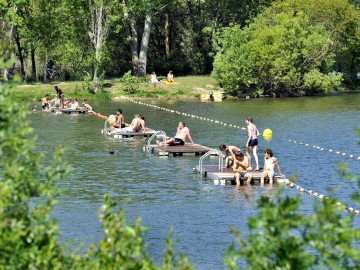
169, 77
242, 164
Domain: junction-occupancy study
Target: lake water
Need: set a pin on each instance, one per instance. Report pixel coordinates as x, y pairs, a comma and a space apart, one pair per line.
166, 193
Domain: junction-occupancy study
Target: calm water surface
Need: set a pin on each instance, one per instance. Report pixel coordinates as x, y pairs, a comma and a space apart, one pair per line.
165, 193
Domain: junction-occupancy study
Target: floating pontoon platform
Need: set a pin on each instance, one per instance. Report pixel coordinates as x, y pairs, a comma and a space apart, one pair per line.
187, 149
227, 176
222, 176
148, 132
179, 150
69, 111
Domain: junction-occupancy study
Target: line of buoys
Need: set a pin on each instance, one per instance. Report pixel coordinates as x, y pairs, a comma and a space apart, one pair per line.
323, 149
266, 134
182, 113
321, 197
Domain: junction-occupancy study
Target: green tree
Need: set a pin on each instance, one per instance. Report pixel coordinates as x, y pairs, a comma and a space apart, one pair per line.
286, 52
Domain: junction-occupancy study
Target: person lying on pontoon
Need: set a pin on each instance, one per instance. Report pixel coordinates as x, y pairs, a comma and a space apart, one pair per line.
87, 106
231, 153
137, 124
180, 137
239, 166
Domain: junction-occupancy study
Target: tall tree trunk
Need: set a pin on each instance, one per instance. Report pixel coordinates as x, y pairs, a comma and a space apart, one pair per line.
33, 63
19, 49
145, 43
45, 71
132, 37
97, 33
167, 45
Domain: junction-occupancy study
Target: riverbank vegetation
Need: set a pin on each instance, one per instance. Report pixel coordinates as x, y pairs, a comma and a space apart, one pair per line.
275, 48
187, 87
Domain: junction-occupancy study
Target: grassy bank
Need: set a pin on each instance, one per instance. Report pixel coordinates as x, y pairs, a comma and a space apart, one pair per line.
185, 87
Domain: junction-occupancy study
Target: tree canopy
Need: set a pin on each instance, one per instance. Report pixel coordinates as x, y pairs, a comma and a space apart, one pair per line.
293, 48
107, 38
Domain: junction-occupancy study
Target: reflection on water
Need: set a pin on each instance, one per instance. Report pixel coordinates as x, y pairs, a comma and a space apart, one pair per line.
166, 193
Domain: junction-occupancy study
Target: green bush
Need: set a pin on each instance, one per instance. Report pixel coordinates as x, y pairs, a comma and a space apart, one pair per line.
288, 41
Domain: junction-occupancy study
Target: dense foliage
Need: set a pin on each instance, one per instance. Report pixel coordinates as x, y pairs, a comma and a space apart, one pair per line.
107, 38
283, 238
293, 48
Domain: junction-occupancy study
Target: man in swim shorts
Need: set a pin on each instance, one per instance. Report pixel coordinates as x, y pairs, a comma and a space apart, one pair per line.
180, 137
252, 142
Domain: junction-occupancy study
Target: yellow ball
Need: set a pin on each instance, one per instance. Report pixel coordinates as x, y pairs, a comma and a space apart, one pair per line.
112, 119
267, 133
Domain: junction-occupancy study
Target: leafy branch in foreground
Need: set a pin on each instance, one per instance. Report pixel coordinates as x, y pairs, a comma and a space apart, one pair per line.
280, 237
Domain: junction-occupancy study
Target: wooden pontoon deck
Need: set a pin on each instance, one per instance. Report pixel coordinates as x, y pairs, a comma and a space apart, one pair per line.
227, 176
69, 111
147, 133
179, 150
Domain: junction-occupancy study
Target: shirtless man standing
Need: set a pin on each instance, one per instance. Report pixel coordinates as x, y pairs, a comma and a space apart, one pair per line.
252, 142
180, 137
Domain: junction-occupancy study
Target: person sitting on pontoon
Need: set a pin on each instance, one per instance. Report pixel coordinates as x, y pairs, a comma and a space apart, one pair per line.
120, 121
180, 137
75, 105
269, 165
45, 103
239, 166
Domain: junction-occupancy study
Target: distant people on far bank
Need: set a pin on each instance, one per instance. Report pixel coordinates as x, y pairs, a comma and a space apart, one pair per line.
269, 164
252, 143
50, 68
153, 78
170, 77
